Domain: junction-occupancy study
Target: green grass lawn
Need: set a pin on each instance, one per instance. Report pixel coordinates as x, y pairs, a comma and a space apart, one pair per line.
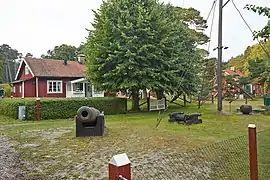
60, 155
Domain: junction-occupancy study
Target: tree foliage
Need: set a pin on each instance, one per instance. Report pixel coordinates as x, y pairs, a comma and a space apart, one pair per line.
28, 55
193, 19
141, 45
256, 69
1, 69
208, 77
10, 56
252, 53
264, 11
62, 52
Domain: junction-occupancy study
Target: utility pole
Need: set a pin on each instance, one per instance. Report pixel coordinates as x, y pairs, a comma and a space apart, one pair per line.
219, 62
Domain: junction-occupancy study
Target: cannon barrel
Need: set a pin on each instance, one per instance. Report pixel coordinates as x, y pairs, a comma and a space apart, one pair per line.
87, 114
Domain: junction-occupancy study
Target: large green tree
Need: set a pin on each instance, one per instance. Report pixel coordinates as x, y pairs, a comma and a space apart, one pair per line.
10, 64
197, 25
1, 69
137, 45
62, 52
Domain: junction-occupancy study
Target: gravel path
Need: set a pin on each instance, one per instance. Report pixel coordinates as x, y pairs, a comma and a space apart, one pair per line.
9, 161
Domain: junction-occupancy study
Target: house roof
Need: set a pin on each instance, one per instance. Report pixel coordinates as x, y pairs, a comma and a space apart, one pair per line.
236, 73
54, 68
21, 80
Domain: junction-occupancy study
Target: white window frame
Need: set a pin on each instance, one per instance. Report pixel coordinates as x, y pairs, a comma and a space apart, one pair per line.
78, 84
20, 88
14, 89
54, 81
26, 69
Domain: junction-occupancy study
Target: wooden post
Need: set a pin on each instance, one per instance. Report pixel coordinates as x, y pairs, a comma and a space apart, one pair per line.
38, 109
212, 99
199, 102
120, 167
253, 152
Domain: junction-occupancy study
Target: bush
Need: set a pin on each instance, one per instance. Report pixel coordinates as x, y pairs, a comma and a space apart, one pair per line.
50, 107
7, 89
61, 108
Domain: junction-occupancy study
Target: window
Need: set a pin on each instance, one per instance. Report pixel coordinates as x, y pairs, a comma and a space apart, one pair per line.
20, 89
78, 87
54, 86
13, 89
26, 70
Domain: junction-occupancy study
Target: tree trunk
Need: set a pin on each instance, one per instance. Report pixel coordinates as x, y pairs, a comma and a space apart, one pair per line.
135, 100
159, 94
185, 100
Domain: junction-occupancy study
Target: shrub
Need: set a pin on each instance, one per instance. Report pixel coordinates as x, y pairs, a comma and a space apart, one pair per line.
50, 107
7, 89
61, 108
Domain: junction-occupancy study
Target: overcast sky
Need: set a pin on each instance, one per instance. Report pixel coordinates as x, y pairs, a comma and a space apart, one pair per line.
38, 25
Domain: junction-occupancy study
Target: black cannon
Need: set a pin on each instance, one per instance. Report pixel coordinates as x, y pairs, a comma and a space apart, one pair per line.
246, 109
89, 122
185, 119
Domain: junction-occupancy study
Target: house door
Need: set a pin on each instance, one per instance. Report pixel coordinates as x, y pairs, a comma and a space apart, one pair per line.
88, 90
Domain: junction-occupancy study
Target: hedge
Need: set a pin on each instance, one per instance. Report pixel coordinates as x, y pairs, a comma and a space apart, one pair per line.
61, 108
9, 107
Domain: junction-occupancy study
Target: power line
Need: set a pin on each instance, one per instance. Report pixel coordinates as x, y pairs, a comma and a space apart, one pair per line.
159, 119
213, 6
212, 24
266, 52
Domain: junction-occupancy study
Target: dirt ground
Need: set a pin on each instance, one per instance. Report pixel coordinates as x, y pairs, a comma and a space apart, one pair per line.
10, 167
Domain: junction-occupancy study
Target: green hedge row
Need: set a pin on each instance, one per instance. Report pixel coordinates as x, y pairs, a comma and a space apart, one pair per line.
61, 108
9, 107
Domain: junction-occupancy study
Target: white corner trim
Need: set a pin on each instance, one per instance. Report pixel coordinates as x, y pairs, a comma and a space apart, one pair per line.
37, 93
20, 66
23, 89
18, 70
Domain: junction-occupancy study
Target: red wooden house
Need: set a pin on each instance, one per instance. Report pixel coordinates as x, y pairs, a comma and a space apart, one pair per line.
52, 78
237, 75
